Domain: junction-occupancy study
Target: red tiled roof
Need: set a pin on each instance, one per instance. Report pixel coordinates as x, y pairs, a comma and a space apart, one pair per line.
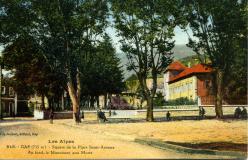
176, 66
199, 68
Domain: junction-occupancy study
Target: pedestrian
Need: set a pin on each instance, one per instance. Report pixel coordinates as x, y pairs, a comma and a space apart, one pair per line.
110, 113
78, 116
168, 116
82, 115
51, 116
237, 113
244, 113
102, 116
203, 113
98, 114
200, 112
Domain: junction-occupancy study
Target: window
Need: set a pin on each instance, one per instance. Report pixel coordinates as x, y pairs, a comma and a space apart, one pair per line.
11, 91
190, 86
184, 87
187, 86
3, 89
207, 83
3, 107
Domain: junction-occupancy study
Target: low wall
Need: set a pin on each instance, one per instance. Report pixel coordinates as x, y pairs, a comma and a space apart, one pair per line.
174, 110
69, 115
59, 115
63, 115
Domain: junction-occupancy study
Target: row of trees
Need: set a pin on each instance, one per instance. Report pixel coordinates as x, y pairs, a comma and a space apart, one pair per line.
221, 29
219, 34
60, 44
69, 37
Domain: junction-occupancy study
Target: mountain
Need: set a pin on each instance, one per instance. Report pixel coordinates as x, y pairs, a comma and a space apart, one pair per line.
180, 51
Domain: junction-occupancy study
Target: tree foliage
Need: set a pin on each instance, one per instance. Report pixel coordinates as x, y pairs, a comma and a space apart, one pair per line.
64, 35
221, 29
32, 73
146, 30
101, 72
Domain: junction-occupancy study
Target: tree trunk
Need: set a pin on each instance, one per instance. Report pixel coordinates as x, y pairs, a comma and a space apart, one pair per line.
50, 104
105, 101
150, 97
75, 95
149, 113
141, 102
147, 96
74, 99
88, 102
62, 102
92, 101
42, 102
219, 95
97, 102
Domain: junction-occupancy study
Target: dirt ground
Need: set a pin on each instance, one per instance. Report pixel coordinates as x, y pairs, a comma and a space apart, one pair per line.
112, 140
194, 131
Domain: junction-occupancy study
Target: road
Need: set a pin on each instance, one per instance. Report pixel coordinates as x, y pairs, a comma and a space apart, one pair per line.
39, 139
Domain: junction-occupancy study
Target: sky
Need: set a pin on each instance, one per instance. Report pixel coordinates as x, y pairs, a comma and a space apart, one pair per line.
181, 38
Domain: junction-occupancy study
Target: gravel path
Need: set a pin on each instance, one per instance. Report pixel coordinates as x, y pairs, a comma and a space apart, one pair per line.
39, 139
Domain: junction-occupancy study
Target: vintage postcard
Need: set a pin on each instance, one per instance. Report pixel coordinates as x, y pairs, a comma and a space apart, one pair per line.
123, 79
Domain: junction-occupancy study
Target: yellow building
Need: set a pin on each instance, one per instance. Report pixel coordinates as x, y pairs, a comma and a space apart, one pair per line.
184, 88
187, 82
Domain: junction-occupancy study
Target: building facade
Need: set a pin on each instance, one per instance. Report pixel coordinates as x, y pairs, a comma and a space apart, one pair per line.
9, 103
193, 83
12, 104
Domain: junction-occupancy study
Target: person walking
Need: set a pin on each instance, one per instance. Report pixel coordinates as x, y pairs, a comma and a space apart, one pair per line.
110, 113
201, 113
51, 116
82, 116
244, 113
168, 116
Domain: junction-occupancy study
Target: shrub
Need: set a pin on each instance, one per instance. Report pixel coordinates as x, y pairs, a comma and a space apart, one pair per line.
180, 101
159, 100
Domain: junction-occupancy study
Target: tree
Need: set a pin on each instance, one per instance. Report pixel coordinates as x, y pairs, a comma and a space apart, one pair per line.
235, 89
221, 28
63, 29
146, 28
32, 73
101, 72
77, 24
